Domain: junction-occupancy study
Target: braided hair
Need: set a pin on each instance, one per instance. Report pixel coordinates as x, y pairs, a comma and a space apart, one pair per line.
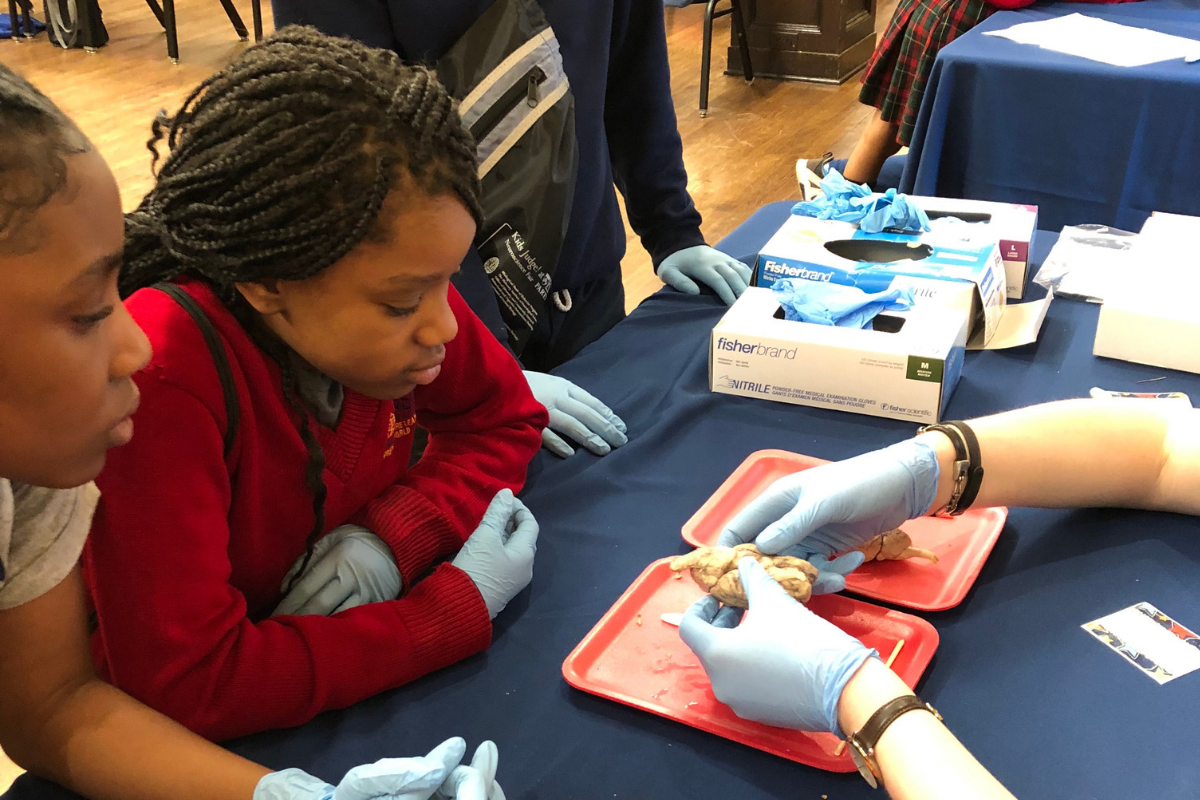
279, 166
36, 138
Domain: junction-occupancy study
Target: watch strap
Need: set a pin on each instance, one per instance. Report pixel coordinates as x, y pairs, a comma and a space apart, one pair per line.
888, 713
975, 470
968, 469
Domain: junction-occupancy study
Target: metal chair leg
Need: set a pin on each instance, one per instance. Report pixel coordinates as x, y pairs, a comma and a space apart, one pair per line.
739, 27
706, 56
236, 19
158, 12
172, 33
12, 19
26, 19
256, 12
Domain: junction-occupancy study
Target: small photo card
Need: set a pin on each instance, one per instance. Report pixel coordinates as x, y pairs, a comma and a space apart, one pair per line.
1150, 640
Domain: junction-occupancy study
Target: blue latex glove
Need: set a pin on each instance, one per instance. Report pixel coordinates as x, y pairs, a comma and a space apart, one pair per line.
575, 413
831, 304
837, 507
478, 781
831, 575
892, 211
391, 778
499, 555
853, 202
783, 666
350, 566
686, 269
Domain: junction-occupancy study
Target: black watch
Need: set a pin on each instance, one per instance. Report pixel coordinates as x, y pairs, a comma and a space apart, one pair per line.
862, 744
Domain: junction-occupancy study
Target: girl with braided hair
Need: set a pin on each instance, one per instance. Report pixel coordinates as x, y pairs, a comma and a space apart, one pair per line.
66, 398
264, 545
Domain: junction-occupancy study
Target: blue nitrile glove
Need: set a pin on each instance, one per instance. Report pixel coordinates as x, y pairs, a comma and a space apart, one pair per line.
391, 778
350, 566
478, 781
837, 507
836, 200
844, 201
499, 555
831, 304
892, 211
831, 575
724, 274
783, 666
575, 413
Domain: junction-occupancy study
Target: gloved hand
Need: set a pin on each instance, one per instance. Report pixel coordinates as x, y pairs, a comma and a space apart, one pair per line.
724, 274
837, 507
350, 566
499, 555
783, 666
391, 778
478, 781
831, 575
575, 413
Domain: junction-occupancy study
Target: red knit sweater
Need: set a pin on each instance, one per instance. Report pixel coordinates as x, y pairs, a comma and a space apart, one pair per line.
187, 552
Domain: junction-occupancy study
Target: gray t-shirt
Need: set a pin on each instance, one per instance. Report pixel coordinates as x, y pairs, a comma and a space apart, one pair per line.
42, 532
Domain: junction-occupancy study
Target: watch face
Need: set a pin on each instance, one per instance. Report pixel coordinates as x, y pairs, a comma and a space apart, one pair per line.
864, 768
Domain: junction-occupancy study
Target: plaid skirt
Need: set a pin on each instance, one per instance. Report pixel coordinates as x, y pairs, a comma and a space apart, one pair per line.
895, 78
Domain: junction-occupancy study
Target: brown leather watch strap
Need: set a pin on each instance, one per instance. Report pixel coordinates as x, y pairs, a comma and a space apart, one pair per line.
888, 713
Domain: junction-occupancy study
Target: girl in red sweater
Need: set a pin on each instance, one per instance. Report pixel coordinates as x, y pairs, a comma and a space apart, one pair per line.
316, 200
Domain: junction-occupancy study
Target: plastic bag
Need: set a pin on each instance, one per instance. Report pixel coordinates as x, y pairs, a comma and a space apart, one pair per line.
1086, 260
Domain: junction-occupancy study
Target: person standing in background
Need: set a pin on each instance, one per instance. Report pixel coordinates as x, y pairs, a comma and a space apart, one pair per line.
614, 56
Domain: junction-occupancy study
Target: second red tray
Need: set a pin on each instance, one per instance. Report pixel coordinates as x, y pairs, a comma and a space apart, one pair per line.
962, 544
635, 658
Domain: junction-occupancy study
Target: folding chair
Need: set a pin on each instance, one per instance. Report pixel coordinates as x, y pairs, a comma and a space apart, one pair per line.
739, 28
166, 18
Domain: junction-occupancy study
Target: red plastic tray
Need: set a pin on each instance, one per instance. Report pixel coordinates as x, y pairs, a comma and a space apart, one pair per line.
648, 666
962, 544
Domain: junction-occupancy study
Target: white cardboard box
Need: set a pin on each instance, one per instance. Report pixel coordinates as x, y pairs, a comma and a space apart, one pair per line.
965, 277
1010, 225
908, 374
1156, 321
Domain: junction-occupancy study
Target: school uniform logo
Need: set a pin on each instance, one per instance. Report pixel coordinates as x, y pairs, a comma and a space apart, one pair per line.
401, 422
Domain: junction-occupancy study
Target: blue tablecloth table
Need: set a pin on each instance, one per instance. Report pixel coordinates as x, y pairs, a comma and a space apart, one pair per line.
1082, 140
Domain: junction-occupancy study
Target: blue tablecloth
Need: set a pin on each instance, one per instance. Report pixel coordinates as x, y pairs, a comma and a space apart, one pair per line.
1050, 710
1084, 141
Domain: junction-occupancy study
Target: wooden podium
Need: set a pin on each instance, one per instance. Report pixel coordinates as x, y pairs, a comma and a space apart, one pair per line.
825, 41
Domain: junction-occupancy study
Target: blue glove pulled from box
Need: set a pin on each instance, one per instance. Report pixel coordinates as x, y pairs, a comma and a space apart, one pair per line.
832, 304
844, 201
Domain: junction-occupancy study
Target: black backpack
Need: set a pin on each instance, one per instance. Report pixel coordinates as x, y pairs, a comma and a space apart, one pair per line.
514, 97
75, 23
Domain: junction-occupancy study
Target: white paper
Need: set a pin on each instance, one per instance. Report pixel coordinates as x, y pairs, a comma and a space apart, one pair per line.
1150, 640
1101, 40
1019, 326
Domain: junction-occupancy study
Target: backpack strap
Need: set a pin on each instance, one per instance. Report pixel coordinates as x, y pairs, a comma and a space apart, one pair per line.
220, 359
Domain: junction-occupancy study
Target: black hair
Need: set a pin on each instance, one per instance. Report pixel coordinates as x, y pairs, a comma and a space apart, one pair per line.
279, 165
36, 138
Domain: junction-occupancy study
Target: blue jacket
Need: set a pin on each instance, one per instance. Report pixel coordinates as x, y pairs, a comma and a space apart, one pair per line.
615, 55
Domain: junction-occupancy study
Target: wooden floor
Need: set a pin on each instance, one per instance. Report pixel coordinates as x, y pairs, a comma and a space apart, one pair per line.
739, 158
